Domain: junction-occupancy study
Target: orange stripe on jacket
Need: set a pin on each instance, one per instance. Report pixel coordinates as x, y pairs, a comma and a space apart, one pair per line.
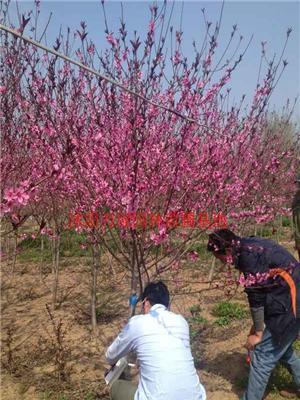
289, 280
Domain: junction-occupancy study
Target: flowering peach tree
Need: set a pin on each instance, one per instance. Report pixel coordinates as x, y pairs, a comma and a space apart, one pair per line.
161, 141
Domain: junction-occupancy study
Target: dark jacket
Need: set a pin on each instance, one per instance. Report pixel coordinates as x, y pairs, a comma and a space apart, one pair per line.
296, 218
254, 255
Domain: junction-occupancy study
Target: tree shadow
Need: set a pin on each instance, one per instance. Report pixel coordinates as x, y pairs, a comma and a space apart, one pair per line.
230, 366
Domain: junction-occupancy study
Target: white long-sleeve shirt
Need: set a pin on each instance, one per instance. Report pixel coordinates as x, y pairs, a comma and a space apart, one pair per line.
161, 342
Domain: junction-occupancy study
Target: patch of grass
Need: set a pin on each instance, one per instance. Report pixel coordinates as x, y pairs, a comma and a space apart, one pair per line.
30, 249
223, 321
198, 319
286, 221
195, 309
193, 333
46, 395
70, 244
200, 248
195, 321
280, 379
266, 231
226, 312
89, 396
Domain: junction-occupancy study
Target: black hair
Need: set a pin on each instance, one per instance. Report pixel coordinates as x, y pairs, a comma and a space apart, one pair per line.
220, 240
156, 293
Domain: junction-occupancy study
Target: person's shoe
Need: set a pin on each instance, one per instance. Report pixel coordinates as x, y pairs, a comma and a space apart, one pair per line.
290, 393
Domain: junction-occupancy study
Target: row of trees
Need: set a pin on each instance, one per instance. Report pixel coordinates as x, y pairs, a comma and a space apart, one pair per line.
162, 141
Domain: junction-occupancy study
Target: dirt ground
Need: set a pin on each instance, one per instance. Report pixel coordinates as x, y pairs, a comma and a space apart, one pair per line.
29, 344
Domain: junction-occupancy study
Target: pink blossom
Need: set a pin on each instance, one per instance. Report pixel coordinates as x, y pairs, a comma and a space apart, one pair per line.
151, 26
193, 255
110, 38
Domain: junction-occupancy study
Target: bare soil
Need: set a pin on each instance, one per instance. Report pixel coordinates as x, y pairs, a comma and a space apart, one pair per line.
29, 345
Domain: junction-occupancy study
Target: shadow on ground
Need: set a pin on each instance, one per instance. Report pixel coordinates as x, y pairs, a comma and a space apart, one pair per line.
231, 367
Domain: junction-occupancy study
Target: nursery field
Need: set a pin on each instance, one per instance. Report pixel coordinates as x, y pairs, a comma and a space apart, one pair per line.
53, 354
125, 139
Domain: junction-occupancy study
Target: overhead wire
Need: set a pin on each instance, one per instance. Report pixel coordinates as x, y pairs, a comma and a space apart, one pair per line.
94, 72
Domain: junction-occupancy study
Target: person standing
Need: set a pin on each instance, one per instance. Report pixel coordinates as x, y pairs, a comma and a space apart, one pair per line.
272, 283
160, 339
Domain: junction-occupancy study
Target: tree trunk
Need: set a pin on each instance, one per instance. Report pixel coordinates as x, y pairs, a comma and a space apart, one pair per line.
55, 269
42, 258
133, 290
279, 229
110, 263
7, 247
212, 270
134, 272
14, 260
94, 275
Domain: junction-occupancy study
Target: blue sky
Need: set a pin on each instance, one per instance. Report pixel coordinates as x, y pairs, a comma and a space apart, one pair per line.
267, 20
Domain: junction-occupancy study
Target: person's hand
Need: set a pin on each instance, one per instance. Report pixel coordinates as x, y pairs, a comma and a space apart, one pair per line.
252, 330
253, 340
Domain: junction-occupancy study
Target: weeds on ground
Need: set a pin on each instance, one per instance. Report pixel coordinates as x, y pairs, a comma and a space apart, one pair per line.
226, 312
196, 321
200, 248
280, 379
196, 317
60, 349
286, 221
195, 309
52, 395
30, 249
